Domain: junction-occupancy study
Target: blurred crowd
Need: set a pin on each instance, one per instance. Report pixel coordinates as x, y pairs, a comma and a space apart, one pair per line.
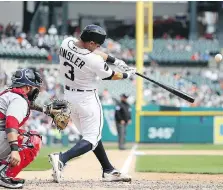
205, 85
49, 41
196, 56
46, 42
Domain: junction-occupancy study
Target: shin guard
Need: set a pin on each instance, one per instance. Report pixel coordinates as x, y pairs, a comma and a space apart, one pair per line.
29, 147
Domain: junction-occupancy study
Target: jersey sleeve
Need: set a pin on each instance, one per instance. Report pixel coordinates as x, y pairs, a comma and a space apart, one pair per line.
102, 69
18, 109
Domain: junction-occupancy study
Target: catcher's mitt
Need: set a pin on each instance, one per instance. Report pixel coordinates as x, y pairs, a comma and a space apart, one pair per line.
60, 111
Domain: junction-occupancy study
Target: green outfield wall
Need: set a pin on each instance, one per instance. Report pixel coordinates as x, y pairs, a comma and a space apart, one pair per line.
169, 129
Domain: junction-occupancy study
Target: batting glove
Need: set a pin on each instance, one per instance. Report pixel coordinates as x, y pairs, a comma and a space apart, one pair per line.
121, 65
131, 71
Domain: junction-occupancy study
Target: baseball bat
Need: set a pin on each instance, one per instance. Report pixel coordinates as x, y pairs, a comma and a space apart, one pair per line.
171, 89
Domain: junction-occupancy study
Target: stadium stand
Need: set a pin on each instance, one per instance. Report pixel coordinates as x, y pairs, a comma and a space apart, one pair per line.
166, 52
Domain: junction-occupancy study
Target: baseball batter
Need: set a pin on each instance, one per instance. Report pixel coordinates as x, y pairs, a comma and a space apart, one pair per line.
80, 64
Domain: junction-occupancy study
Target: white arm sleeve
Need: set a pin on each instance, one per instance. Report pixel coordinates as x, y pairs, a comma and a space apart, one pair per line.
18, 108
102, 70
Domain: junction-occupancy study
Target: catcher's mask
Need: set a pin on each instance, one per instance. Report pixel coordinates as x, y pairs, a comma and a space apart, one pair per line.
27, 77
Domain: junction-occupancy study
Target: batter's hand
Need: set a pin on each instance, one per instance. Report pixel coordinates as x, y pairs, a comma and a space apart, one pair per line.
121, 65
131, 71
15, 158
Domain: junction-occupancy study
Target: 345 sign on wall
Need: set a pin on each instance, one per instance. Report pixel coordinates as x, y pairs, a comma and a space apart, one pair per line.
160, 132
159, 129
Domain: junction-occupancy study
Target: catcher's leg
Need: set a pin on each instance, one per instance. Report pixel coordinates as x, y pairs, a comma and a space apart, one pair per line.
5, 151
29, 147
29, 144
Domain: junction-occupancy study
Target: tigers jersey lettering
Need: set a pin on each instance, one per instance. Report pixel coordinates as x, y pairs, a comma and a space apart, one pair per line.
79, 68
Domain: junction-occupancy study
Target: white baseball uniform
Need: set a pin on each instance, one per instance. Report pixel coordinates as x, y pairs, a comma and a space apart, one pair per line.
78, 70
11, 104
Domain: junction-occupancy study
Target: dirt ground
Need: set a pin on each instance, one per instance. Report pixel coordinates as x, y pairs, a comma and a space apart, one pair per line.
85, 173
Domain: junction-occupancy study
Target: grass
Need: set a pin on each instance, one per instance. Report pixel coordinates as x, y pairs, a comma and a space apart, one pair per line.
149, 146
179, 147
115, 147
180, 164
41, 162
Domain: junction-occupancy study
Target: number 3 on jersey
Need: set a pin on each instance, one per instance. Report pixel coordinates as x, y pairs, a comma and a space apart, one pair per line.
70, 71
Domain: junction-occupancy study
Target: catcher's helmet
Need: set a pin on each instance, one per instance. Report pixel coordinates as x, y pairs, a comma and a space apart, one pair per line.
93, 33
23, 77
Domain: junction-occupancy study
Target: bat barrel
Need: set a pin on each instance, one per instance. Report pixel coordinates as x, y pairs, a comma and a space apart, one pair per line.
171, 89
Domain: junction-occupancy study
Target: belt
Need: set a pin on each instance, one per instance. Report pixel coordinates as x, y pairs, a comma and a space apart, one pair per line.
78, 90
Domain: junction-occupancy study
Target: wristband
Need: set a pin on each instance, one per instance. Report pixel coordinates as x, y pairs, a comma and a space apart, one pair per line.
125, 75
110, 59
14, 147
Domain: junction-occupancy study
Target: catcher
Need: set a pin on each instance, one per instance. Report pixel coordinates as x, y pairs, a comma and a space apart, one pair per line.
18, 148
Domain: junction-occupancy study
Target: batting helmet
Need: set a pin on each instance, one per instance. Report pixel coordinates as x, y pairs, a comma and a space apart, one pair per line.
23, 77
93, 33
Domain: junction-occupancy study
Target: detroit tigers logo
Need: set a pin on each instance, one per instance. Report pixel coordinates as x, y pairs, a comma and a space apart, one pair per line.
71, 45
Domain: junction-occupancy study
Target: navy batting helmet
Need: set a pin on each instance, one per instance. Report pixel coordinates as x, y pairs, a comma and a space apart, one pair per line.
93, 33
23, 77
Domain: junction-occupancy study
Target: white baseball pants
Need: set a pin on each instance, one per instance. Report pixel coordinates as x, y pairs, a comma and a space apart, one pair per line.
86, 114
